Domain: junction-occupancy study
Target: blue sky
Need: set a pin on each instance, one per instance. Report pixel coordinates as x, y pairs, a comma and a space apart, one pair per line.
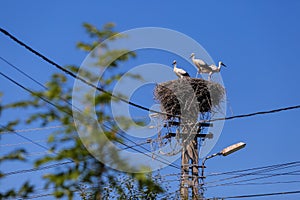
258, 41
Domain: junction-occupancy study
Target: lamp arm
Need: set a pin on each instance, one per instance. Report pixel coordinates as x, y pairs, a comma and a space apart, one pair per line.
205, 159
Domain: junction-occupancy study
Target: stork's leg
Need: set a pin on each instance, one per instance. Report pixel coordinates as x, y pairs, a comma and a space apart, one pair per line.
209, 76
197, 74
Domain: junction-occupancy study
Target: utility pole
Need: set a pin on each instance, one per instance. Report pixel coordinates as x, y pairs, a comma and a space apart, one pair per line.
190, 160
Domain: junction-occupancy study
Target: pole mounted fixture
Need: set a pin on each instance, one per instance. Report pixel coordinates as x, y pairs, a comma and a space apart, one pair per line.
225, 152
233, 148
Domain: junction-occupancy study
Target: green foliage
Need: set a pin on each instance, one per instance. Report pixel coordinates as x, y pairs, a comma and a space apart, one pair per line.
17, 154
22, 192
86, 174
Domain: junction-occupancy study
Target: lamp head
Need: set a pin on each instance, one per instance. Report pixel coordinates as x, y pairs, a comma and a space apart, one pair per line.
233, 148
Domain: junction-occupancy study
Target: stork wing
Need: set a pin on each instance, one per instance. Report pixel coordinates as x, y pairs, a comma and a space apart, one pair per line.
200, 62
202, 65
181, 71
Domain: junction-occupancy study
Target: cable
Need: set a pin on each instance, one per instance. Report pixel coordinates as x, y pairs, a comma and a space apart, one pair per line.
34, 80
49, 102
22, 72
28, 139
39, 196
137, 144
256, 168
74, 75
263, 169
20, 143
259, 195
164, 161
32, 129
36, 168
127, 101
252, 179
33, 93
258, 183
255, 113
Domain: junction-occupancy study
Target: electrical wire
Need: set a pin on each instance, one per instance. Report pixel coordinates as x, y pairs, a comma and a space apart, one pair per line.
136, 145
263, 169
28, 139
32, 129
70, 73
36, 168
259, 195
20, 143
164, 161
39, 196
252, 179
254, 114
256, 168
258, 183
34, 80
127, 101
34, 93
60, 109
22, 72
54, 104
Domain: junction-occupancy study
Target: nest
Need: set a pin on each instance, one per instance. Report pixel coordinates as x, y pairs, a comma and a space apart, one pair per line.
189, 95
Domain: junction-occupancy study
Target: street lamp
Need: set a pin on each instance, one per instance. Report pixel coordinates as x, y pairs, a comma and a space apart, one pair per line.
225, 152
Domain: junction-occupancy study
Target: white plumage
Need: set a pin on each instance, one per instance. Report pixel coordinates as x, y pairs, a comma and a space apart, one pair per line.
179, 72
203, 67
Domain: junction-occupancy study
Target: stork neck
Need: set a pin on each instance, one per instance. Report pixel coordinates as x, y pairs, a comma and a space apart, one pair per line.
219, 67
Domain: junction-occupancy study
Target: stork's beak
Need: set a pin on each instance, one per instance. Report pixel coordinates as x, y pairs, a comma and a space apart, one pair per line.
223, 65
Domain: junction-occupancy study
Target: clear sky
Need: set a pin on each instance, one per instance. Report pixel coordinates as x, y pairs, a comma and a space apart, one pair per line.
258, 41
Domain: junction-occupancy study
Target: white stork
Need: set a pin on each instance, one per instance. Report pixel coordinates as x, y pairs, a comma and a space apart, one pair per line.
203, 67
179, 72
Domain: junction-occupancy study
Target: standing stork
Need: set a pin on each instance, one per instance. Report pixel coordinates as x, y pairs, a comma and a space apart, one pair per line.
179, 72
203, 67
214, 68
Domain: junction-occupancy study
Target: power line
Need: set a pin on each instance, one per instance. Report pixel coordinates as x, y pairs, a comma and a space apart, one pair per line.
20, 143
49, 102
127, 101
28, 139
256, 168
77, 77
255, 113
263, 169
34, 80
36, 168
259, 195
22, 72
252, 179
39, 196
164, 161
32, 129
258, 183
34, 93
74, 75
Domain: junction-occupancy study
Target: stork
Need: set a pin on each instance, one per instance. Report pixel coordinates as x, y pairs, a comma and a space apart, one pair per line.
179, 72
203, 67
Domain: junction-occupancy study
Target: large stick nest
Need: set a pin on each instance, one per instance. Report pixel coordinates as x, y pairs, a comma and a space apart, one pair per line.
176, 96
